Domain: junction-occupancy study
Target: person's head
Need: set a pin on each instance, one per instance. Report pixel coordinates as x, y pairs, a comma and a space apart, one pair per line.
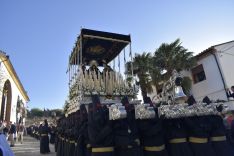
232, 88
45, 122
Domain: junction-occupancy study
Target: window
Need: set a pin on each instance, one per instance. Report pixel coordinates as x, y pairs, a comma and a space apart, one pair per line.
198, 74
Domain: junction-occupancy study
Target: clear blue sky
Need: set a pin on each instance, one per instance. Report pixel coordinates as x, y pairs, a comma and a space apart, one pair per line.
39, 34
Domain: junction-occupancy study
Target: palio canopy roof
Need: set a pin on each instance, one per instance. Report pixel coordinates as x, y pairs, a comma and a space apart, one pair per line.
99, 45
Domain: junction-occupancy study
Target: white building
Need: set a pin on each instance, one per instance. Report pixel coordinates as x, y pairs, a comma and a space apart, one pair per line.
214, 72
13, 97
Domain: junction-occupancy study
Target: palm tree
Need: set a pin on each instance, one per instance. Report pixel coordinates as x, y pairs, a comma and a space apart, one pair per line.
142, 65
173, 56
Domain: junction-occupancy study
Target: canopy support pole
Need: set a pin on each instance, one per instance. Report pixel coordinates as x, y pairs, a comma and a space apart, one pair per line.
130, 48
81, 47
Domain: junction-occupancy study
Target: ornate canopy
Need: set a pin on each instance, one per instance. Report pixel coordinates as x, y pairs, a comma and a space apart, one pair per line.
99, 46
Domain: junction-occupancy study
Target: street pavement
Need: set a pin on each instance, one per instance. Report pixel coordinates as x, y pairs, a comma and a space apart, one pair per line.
30, 147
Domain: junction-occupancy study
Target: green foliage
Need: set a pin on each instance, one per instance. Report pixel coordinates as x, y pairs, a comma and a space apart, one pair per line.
173, 56
36, 112
142, 64
59, 112
167, 57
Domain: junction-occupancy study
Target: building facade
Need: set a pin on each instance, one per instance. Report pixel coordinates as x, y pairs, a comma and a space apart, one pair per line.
214, 72
13, 97
212, 75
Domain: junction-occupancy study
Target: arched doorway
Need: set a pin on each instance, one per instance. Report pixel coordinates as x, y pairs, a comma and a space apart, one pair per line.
6, 101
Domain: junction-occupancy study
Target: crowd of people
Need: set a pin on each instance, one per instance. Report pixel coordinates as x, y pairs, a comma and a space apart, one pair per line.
10, 132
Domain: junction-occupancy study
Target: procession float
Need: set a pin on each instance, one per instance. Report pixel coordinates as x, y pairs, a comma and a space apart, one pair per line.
95, 69
103, 116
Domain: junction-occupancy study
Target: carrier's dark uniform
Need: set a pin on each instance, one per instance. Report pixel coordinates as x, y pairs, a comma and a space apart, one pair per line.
52, 134
152, 136
218, 137
198, 129
126, 136
61, 137
44, 140
100, 129
71, 134
83, 147
176, 135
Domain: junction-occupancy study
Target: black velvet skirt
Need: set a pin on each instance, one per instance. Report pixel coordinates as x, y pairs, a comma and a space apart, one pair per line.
44, 144
102, 154
155, 153
202, 149
134, 151
222, 148
52, 138
179, 149
71, 149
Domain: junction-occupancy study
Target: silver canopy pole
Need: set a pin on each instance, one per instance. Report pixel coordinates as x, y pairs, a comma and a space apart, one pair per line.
130, 48
81, 46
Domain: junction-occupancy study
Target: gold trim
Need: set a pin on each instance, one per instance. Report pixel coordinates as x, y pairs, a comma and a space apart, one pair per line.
178, 140
105, 38
218, 138
72, 142
198, 140
103, 149
154, 148
44, 134
14, 75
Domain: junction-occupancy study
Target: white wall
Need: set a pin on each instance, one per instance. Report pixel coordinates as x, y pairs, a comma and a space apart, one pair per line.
15, 91
212, 86
225, 57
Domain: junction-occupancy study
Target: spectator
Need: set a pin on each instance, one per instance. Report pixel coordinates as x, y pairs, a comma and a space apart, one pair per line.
5, 129
20, 133
12, 131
